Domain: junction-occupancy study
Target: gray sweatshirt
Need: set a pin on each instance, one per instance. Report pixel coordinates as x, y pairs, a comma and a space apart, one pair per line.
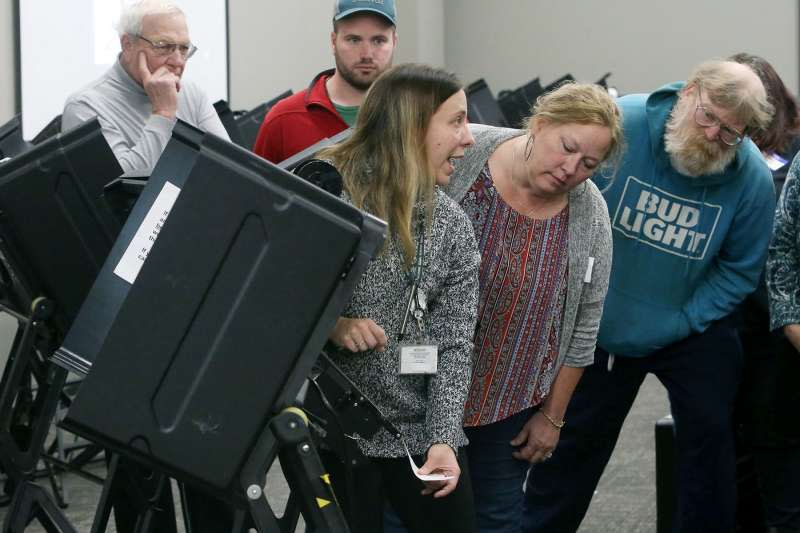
136, 136
589, 237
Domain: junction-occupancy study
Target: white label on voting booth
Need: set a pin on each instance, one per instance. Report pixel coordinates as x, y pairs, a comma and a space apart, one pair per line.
136, 253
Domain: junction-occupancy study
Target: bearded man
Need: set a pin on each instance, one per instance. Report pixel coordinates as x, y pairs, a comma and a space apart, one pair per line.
691, 208
363, 41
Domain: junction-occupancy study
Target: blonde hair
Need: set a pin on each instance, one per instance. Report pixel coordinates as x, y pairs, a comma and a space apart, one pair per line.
728, 85
582, 103
384, 164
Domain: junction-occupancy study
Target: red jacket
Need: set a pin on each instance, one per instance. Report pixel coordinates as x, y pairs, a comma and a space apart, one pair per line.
298, 121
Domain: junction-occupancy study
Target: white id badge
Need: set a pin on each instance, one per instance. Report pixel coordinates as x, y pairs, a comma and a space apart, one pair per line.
422, 358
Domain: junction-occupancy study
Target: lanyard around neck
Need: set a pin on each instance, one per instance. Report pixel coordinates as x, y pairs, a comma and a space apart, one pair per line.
414, 275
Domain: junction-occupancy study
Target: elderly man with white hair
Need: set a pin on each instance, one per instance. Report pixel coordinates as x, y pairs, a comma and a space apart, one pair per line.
138, 100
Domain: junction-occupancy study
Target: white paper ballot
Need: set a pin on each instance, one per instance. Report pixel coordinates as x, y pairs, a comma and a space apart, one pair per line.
775, 161
424, 477
136, 253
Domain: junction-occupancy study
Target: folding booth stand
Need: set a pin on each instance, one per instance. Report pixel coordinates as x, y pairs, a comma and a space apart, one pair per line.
55, 232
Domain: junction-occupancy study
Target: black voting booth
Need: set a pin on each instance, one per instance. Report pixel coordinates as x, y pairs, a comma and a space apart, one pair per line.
243, 126
51, 128
512, 106
54, 216
250, 121
482, 108
55, 232
516, 104
11, 141
195, 359
228, 120
292, 163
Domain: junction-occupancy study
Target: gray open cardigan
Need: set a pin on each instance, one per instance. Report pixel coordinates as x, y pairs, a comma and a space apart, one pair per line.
589, 236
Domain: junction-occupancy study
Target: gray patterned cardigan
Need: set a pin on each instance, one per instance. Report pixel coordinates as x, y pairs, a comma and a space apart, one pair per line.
589, 236
426, 409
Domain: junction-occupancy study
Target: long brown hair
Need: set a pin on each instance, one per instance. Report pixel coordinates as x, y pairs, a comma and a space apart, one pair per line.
384, 164
785, 124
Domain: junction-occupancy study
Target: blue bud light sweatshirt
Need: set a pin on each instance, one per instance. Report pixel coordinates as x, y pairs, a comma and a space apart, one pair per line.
686, 250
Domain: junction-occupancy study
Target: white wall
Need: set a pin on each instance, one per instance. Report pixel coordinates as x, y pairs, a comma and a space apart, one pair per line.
644, 44
7, 59
274, 48
279, 45
421, 30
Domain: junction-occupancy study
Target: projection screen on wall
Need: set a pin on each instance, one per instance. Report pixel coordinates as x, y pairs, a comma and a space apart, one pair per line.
64, 45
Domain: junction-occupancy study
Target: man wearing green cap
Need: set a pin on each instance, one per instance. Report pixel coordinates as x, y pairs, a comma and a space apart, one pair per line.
363, 41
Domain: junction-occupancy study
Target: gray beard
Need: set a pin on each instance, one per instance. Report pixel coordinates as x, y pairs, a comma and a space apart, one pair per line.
690, 163
690, 153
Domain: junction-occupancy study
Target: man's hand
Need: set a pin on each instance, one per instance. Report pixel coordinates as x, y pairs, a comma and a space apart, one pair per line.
161, 86
358, 335
537, 439
441, 460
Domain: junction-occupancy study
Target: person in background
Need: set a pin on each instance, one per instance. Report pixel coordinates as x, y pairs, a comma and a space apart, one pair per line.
363, 41
778, 463
769, 400
137, 103
779, 141
545, 242
139, 99
692, 213
413, 363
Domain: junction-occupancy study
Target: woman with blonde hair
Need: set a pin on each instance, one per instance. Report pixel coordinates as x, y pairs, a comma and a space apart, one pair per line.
545, 241
405, 337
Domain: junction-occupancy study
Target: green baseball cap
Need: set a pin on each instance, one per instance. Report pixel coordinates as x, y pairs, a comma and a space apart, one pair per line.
345, 8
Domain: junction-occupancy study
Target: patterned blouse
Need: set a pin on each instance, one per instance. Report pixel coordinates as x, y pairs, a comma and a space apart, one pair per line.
783, 261
520, 307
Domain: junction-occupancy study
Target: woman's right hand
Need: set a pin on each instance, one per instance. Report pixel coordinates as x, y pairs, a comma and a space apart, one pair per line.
441, 459
358, 335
